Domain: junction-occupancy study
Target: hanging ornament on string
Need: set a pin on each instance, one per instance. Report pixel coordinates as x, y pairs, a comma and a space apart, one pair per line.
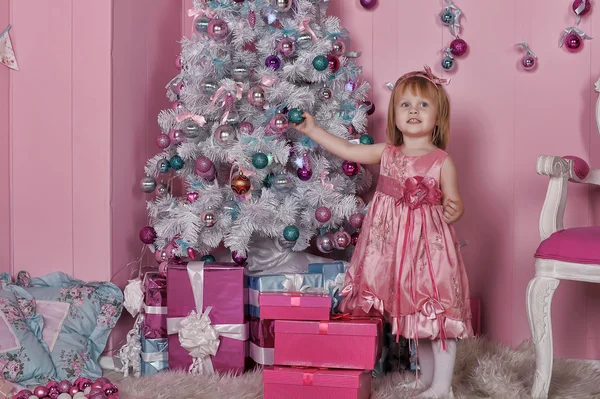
368, 4
450, 16
448, 60
240, 184
581, 8
572, 38
305, 172
529, 60
458, 47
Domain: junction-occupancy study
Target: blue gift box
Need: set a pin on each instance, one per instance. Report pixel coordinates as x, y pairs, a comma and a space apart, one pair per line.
154, 355
292, 282
334, 274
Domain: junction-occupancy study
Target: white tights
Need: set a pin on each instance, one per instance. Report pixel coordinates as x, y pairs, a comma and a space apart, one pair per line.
436, 368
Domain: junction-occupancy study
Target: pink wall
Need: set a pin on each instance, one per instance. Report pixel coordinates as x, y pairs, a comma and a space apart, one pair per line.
83, 117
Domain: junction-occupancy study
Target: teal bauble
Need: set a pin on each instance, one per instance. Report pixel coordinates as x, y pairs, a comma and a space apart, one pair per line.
291, 233
295, 115
260, 160
268, 180
176, 162
208, 258
448, 63
366, 139
320, 63
164, 166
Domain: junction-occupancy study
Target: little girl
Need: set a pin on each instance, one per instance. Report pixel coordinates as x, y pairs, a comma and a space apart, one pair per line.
407, 265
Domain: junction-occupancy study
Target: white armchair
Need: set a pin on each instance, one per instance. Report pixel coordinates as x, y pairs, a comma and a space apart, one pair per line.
563, 254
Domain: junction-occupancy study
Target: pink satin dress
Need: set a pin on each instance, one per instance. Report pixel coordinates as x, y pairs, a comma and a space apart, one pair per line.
407, 264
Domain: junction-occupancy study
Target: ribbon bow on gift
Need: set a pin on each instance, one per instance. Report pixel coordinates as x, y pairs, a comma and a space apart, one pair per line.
134, 296
200, 338
335, 286
293, 283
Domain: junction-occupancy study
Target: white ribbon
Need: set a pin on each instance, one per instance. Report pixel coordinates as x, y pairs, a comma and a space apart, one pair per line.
336, 286
155, 357
155, 309
134, 296
264, 356
578, 11
293, 283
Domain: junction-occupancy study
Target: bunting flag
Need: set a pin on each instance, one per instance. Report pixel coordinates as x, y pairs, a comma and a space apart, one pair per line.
7, 55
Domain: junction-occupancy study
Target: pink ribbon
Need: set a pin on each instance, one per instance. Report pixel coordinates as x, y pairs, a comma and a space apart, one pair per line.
324, 174
432, 309
305, 27
371, 301
427, 75
198, 118
268, 80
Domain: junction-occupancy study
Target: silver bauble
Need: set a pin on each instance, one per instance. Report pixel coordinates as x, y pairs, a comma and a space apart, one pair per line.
209, 86
191, 128
225, 135
283, 183
148, 184
303, 40
240, 72
162, 189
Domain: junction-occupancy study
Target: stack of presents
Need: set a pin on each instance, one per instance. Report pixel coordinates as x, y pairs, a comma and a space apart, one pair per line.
215, 317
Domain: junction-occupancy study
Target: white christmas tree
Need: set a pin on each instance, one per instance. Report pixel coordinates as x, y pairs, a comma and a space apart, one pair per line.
250, 69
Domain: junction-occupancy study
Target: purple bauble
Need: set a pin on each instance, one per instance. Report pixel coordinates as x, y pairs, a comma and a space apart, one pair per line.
73, 390
356, 220
323, 214
177, 136
350, 168
238, 258
40, 392
368, 4
458, 47
163, 141
573, 42
371, 110
65, 386
354, 238
147, 236
528, 62
203, 164
286, 46
273, 61
586, 9
217, 29
246, 128
304, 173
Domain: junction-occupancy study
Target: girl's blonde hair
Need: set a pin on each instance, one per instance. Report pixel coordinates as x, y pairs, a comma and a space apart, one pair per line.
424, 84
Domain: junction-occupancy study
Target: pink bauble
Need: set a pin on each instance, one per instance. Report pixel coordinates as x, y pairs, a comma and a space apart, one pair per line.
334, 63
586, 8
163, 141
279, 123
238, 258
170, 250
354, 238
458, 47
217, 29
191, 197
65, 386
191, 252
24, 393
178, 87
177, 136
304, 173
338, 48
178, 62
160, 255
324, 243
323, 214
147, 236
356, 220
573, 42
246, 128
203, 164
256, 96
208, 218
341, 239
528, 62
53, 392
371, 106
73, 390
162, 268
368, 4
109, 388
350, 168
210, 175
40, 392
177, 106
286, 47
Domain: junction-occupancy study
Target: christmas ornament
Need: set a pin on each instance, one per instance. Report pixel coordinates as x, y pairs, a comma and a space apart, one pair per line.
350, 86
64, 386
162, 189
176, 162
448, 61
304, 173
295, 115
291, 233
208, 258
225, 135
210, 175
370, 107
192, 197
203, 164
160, 256
240, 184
325, 94
240, 72
286, 47
366, 139
148, 184
304, 40
260, 160
350, 168
217, 29
368, 4
458, 47
238, 258
450, 16
268, 180
178, 107
356, 220
581, 8
201, 25
282, 5
338, 47
273, 62
279, 123
231, 207
163, 166
573, 39
323, 214
208, 218
341, 239
191, 128
285, 244
251, 18
177, 136
208, 86
178, 62
529, 60
283, 183
354, 238
324, 243
147, 235
333, 63
171, 251
320, 62
256, 96
246, 128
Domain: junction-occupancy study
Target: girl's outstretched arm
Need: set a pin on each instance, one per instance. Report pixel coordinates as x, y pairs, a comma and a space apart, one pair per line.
453, 205
365, 154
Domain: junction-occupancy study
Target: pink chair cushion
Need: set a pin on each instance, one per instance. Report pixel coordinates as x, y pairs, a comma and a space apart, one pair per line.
575, 245
580, 167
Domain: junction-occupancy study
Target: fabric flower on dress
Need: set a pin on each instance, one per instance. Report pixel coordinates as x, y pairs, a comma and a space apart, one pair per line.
420, 190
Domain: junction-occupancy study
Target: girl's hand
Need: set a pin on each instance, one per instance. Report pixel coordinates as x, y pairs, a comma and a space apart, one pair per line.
453, 210
307, 126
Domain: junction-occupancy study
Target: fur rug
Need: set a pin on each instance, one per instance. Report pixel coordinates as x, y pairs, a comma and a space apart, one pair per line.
483, 370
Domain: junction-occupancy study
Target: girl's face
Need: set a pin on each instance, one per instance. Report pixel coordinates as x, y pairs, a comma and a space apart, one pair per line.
415, 115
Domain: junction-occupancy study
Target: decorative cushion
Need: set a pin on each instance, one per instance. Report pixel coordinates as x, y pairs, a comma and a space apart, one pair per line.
79, 317
575, 245
26, 356
580, 167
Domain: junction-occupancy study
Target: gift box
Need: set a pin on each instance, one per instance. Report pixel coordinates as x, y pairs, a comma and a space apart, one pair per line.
294, 305
155, 289
206, 311
352, 343
334, 275
301, 383
262, 341
155, 309
154, 355
299, 282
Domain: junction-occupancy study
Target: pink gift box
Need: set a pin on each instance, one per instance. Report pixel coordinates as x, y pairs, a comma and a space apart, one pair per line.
262, 341
155, 289
294, 305
344, 344
155, 324
223, 289
302, 383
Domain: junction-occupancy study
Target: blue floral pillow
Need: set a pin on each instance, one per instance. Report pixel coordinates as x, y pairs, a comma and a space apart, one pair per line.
25, 354
78, 318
